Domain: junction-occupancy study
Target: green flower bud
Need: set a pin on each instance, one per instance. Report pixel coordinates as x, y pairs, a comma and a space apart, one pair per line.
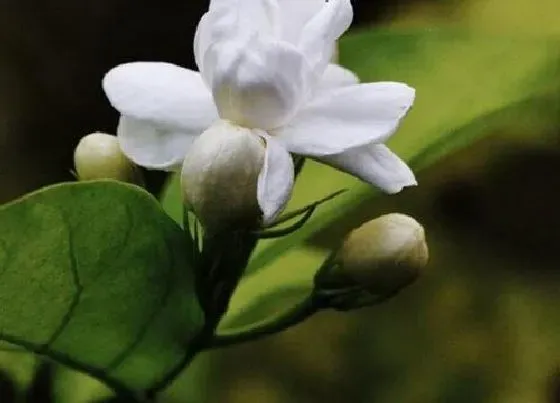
219, 177
375, 262
98, 156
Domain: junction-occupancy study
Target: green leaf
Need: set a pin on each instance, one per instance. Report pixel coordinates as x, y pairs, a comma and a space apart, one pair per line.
96, 276
252, 303
459, 77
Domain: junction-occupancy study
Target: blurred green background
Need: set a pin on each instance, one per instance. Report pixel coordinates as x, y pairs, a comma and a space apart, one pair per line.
482, 324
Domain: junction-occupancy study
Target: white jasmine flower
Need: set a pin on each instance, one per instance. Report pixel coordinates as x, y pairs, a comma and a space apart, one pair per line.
264, 73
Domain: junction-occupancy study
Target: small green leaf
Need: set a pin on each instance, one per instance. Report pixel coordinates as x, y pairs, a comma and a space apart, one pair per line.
97, 277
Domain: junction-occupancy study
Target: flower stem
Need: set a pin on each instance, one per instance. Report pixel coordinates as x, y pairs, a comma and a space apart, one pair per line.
221, 264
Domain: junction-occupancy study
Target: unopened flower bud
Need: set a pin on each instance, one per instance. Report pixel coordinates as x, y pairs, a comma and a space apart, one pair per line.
375, 261
220, 174
98, 156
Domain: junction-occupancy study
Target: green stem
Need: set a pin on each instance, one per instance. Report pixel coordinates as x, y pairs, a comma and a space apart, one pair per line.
294, 316
221, 264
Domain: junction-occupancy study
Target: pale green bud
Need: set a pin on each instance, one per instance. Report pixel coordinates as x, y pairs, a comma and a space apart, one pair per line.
98, 156
375, 261
220, 174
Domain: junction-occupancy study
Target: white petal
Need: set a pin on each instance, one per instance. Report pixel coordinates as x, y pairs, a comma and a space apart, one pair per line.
150, 146
295, 14
258, 84
234, 20
163, 94
319, 36
337, 76
276, 180
375, 164
347, 117
262, 15
257, 16
202, 39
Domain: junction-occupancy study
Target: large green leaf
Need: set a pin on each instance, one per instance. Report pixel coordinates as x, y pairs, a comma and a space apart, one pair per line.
97, 277
459, 77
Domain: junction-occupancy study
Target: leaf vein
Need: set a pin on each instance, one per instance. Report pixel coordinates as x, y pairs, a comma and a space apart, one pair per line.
120, 358
73, 266
67, 360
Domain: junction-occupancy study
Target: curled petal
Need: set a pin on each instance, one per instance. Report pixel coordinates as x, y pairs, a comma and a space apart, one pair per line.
376, 165
318, 38
234, 20
258, 84
347, 117
162, 94
294, 15
202, 39
276, 180
151, 146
